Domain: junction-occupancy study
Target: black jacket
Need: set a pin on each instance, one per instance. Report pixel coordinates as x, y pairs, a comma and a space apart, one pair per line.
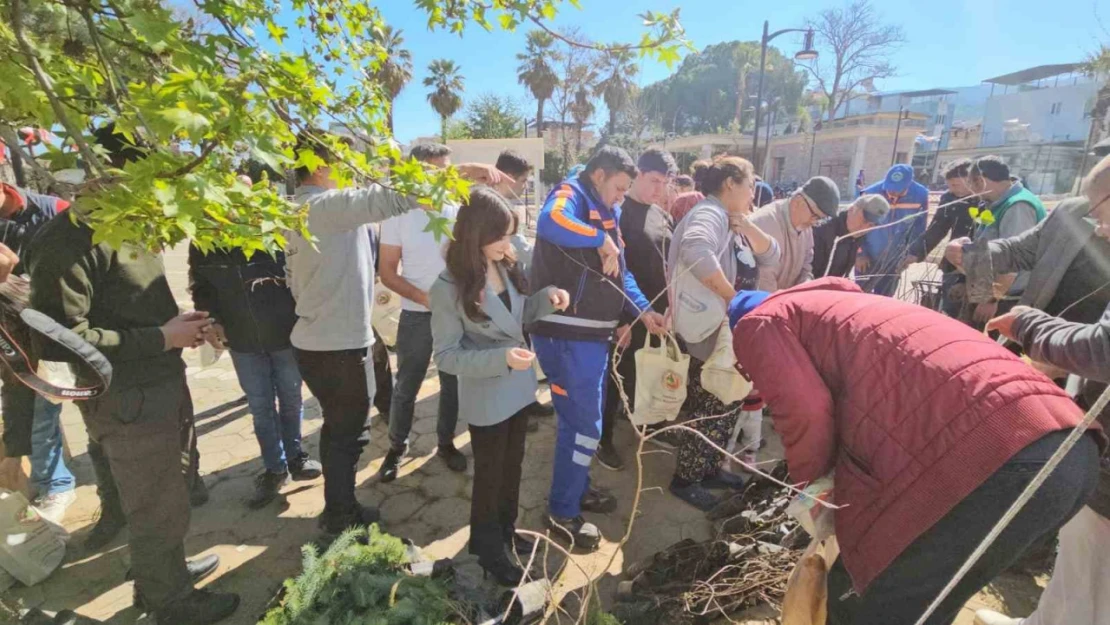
824, 236
248, 297
951, 220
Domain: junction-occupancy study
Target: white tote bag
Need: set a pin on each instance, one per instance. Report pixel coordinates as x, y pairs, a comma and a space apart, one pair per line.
387, 314
30, 547
661, 374
719, 374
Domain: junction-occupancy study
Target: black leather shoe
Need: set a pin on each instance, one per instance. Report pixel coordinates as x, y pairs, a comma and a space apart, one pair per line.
608, 457
518, 543
576, 531
598, 501
504, 572
199, 569
363, 516
304, 468
200, 607
107, 527
392, 462
454, 458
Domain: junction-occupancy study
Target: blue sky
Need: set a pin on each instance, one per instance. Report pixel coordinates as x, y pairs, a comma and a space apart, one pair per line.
950, 42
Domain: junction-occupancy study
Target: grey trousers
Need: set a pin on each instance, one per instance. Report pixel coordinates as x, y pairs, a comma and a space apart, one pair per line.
138, 430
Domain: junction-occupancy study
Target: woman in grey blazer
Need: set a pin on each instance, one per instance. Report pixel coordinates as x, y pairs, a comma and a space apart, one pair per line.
479, 306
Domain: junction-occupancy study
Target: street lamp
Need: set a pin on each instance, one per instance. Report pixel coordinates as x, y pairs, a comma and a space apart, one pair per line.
807, 53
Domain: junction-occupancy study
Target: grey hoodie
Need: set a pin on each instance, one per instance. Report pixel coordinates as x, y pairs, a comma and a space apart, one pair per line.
333, 281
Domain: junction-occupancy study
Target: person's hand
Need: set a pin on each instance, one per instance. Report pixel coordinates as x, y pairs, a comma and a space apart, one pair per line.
519, 359
655, 323
954, 251
1052, 371
8, 261
11, 471
623, 336
909, 260
560, 299
216, 336
862, 263
985, 312
186, 330
1005, 324
610, 257
482, 174
422, 299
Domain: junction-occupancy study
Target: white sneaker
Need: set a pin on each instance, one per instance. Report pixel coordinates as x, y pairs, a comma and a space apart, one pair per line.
53, 507
990, 617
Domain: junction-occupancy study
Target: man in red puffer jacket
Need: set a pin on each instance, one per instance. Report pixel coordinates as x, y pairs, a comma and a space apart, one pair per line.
933, 430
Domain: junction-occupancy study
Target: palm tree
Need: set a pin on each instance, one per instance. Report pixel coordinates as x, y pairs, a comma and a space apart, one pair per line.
582, 110
615, 88
447, 86
396, 70
535, 71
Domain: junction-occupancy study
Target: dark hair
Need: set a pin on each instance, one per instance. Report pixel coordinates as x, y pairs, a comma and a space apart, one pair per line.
958, 168
697, 170
513, 163
992, 168
684, 181
611, 160
723, 169
482, 220
120, 150
427, 151
657, 160
309, 139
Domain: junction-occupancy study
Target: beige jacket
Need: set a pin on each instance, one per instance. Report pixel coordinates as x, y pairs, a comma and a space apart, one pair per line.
795, 264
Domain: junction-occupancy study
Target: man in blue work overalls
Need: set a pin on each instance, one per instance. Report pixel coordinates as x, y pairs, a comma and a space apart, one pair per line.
579, 249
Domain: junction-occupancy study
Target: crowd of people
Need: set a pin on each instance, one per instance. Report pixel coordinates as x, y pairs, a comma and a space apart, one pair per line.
930, 427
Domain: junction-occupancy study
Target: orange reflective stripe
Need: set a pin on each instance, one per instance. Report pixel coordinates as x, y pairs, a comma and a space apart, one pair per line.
558, 390
568, 223
609, 224
906, 206
595, 215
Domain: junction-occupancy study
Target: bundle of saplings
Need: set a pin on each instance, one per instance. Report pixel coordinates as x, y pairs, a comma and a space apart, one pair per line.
365, 578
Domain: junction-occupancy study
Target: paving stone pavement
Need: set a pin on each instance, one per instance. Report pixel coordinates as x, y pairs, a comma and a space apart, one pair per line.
427, 503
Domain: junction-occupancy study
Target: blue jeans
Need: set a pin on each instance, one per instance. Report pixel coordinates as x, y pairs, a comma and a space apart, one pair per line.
414, 352
49, 474
263, 376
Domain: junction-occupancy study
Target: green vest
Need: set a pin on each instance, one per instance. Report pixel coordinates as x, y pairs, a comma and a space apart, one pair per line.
1025, 195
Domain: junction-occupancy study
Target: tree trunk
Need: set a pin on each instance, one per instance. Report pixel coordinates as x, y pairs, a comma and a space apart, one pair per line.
443, 128
390, 118
539, 118
577, 141
742, 83
17, 166
612, 122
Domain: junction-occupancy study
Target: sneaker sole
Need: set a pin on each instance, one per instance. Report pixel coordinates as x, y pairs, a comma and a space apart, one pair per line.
304, 478
566, 537
611, 467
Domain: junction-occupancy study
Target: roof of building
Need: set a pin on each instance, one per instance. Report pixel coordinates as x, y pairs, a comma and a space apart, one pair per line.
922, 93
1035, 73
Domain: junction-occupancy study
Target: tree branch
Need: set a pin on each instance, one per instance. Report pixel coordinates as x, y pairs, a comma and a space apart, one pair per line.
191, 165
91, 161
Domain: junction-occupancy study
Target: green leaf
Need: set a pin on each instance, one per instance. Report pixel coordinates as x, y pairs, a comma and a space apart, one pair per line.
277, 32
185, 119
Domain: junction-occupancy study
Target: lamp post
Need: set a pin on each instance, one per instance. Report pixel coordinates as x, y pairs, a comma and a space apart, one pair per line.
897, 130
807, 53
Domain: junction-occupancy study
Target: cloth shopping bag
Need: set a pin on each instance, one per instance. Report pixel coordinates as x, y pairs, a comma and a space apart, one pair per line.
719, 374
661, 374
30, 547
387, 314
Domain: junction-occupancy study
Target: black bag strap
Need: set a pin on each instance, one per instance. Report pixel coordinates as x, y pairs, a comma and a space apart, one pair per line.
87, 357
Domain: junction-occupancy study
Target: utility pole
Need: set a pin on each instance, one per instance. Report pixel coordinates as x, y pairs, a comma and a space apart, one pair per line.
897, 131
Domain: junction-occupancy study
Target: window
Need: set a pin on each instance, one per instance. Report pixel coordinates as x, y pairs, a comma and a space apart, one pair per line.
1056, 107
837, 170
941, 119
902, 157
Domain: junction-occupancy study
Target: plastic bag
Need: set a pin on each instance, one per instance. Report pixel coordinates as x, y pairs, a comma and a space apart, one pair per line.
807, 591
30, 548
719, 374
661, 374
817, 520
386, 314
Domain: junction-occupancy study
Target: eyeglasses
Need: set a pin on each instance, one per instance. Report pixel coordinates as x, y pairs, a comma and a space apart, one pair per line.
816, 214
